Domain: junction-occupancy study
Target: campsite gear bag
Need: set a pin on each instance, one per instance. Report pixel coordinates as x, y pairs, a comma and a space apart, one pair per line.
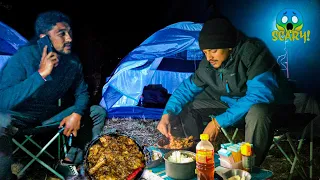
137, 173
154, 96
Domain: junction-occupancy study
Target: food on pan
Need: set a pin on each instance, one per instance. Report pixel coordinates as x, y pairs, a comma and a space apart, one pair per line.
179, 143
115, 157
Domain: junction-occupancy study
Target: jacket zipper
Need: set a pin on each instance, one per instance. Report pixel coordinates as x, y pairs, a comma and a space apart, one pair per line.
227, 84
227, 87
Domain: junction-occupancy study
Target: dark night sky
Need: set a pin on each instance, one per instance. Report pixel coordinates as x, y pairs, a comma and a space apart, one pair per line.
105, 30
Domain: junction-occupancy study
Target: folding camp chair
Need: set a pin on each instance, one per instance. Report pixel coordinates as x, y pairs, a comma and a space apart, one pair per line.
230, 139
307, 112
285, 134
28, 134
302, 122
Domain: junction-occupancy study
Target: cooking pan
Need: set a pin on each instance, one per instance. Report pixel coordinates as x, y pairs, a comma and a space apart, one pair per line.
184, 170
112, 134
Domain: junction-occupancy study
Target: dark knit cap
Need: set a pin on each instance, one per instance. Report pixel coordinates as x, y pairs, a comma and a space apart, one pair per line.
217, 33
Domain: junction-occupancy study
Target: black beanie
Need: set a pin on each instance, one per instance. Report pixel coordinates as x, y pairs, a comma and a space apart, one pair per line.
217, 33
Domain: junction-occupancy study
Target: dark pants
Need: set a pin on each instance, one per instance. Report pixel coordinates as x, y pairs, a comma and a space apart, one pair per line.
92, 124
259, 122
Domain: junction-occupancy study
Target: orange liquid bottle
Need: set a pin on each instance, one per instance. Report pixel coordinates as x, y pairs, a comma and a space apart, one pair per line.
205, 159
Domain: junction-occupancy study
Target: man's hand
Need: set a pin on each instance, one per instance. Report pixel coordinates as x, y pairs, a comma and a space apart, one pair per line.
71, 124
212, 129
164, 126
48, 61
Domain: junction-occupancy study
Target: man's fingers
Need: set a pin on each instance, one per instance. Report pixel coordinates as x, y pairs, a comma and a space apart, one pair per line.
206, 131
62, 123
164, 131
74, 132
65, 131
68, 132
44, 51
53, 58
216, 135
168, 130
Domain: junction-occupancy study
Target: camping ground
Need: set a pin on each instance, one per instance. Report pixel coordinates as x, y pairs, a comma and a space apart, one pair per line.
144, 130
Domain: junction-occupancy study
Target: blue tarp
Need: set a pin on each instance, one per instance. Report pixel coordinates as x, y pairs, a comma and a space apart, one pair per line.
140, 68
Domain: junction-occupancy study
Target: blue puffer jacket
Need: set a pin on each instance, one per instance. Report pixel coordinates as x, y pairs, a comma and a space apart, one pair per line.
249, 76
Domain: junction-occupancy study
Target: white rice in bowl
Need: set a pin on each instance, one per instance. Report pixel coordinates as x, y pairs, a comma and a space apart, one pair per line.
178, 157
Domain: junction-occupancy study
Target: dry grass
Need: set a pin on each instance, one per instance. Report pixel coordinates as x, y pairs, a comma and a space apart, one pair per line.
144, 130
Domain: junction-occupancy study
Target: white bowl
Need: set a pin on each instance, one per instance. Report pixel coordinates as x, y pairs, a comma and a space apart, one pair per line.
244, 175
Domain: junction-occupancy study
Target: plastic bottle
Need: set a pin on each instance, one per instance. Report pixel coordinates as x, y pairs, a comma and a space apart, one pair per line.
205, 159
247, 156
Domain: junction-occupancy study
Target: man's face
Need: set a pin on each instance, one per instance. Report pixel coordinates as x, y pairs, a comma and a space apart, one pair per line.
61, 38
216, 56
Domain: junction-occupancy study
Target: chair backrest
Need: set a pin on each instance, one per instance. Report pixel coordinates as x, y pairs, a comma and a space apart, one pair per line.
306, 103
307, 109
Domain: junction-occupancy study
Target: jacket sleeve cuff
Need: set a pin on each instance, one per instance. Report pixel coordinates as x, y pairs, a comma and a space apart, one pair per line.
221, 120
165, 112
48, 78
78, 111
168, 111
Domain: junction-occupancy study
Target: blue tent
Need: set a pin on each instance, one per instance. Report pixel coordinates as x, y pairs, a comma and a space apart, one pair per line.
10, 41
167, 57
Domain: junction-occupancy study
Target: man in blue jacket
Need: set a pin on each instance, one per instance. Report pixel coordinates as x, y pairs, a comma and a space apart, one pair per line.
33, 81
239, 81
